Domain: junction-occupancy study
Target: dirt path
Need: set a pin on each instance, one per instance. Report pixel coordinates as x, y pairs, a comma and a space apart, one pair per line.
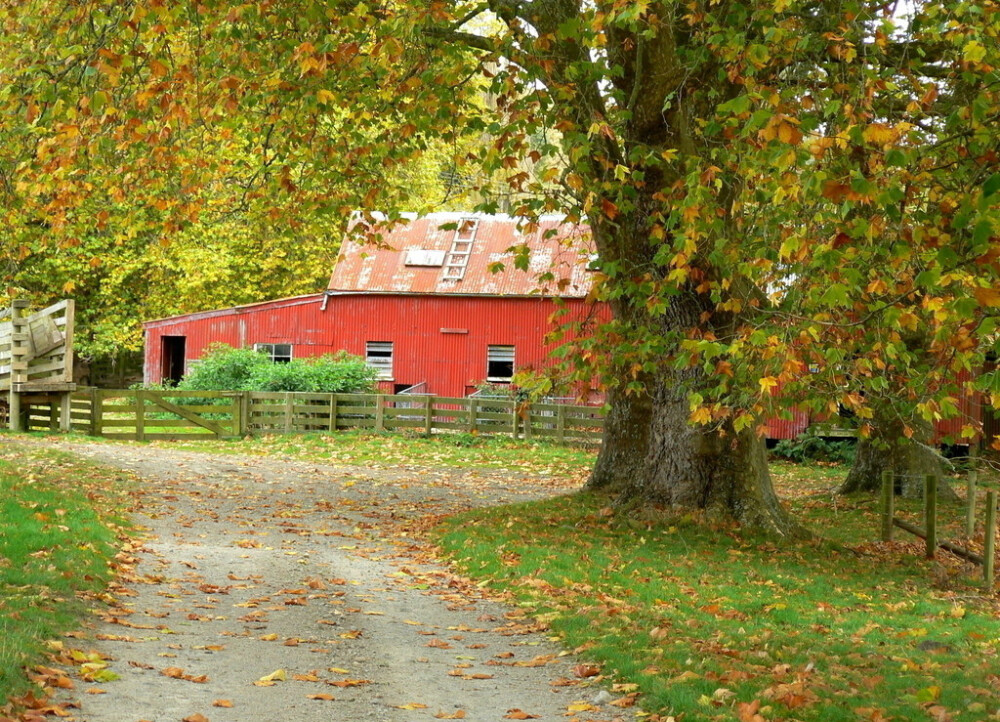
291, 590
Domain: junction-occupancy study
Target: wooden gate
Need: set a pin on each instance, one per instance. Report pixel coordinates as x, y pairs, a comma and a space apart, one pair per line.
142, 415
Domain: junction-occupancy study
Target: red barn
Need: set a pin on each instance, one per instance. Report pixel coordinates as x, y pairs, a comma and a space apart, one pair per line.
426, 307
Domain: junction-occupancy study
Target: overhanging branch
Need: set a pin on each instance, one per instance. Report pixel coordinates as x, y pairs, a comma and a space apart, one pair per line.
460, 37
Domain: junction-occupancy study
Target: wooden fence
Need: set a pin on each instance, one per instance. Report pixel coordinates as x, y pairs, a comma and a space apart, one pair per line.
929, 532
148, 415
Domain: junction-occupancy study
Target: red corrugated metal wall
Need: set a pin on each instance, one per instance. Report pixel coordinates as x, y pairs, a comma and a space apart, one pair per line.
438, 340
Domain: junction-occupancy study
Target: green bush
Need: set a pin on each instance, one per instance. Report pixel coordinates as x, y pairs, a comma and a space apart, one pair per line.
225, 368
810, 447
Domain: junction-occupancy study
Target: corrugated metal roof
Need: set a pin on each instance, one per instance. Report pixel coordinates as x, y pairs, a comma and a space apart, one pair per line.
236, 310
557, 248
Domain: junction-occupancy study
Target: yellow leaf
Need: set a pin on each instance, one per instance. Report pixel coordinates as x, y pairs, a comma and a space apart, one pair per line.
767, 383
324, 96
411, 706
686, 676
701, 415
788, 133
278, 675
973, 51
878, 134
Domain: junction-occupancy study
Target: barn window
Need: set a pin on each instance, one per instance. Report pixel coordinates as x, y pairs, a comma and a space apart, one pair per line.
378, 355
499, 363
280, 353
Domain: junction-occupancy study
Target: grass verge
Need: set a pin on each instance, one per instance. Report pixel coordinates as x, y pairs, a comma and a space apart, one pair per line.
57, 542
395, 449
712, 625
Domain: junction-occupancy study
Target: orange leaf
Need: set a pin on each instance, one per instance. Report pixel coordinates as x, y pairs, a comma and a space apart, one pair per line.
196, 718
344, 683
747, 711
324, 697
519, 714
459, 714
222, 703
987, 296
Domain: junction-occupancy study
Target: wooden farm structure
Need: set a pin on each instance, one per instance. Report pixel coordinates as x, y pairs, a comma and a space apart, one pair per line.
36, 361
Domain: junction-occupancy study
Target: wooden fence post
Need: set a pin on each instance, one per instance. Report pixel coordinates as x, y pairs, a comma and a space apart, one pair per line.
97, 413
140, 416
888, 505
472, 414
380, 412
970, 504
930, 513
333, 413
989, 546
561, 424
513, 419
289, 411
18, 360
236, 412
66, 411
429, 417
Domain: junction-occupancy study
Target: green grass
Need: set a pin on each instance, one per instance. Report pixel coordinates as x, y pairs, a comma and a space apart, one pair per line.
394, 449
55, 546
713, 625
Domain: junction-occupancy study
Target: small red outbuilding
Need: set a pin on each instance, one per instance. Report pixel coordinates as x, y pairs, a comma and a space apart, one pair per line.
426, 306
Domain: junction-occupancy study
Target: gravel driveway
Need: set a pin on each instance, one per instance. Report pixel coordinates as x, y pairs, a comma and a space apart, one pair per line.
269, 589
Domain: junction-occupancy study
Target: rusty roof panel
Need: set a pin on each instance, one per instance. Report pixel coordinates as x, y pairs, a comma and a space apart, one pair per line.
557, 264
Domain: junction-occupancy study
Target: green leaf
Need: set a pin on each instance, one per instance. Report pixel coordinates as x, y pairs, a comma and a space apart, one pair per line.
992, 185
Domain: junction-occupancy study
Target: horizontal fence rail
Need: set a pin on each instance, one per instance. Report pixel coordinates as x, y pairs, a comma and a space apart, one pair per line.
148, 415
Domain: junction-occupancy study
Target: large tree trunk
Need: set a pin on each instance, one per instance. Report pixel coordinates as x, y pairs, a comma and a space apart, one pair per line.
910, 461
712, 469
625, 441
654, 457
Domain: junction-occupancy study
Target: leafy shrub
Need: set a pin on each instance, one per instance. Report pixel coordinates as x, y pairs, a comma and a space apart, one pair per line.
810, 447
225, 368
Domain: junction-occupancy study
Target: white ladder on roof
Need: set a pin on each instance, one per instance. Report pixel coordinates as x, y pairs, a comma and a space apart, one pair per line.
457, 259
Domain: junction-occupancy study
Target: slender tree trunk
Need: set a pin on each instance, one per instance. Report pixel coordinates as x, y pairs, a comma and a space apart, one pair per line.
910, 460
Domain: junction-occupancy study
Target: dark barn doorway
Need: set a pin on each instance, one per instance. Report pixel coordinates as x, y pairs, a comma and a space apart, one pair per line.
172, 359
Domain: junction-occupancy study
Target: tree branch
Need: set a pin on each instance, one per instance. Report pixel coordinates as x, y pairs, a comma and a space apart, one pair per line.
460, 37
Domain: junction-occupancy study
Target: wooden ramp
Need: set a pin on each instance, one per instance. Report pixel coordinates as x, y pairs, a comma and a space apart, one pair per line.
36, 359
